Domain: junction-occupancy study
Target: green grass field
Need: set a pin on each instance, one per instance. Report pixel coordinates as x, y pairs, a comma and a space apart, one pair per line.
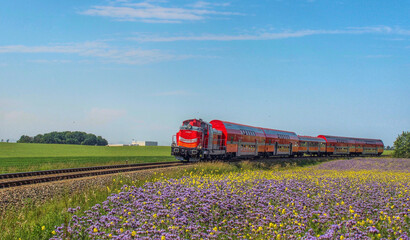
21, 157
388, 152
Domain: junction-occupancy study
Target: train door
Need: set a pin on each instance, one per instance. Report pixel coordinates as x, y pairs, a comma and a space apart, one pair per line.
290, 149
239, 147
276, 148
210, 139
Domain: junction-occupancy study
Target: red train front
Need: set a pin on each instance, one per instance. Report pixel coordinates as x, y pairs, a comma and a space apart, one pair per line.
191, 140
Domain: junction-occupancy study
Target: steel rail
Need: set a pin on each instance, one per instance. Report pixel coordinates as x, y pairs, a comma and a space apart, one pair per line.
82, 169
121, 168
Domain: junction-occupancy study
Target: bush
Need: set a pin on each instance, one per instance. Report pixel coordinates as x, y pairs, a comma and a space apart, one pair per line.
25, 139
402, 145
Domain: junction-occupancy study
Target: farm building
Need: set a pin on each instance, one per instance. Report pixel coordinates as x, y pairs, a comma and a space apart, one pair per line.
145, 143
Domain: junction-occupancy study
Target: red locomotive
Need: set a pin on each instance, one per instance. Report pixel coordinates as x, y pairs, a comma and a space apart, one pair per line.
200, 140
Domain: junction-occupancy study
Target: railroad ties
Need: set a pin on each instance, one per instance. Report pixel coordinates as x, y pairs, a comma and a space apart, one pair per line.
26, 178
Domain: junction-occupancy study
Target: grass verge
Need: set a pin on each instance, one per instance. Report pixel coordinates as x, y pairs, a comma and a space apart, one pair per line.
12, 165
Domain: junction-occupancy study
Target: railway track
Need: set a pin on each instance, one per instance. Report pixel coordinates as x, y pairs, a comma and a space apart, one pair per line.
26, 178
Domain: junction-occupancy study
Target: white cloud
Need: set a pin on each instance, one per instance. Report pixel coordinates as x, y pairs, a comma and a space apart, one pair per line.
273, 36
104, 115
105, 53
62, 48
99, 50
50, 61
153, 13
203, 4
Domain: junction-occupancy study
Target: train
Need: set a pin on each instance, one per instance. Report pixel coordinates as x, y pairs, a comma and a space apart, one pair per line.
198, 140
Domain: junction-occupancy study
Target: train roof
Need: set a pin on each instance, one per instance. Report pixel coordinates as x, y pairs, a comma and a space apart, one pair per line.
233, 127
338, 139
311, 139
268, 129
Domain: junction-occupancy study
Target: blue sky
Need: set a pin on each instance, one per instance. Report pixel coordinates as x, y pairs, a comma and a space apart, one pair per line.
136, 69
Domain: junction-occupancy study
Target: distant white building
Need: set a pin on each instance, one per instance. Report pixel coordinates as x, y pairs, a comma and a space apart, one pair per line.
144, 143
116, 145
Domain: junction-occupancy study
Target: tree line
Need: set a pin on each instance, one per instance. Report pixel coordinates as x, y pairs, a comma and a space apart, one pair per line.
67, 137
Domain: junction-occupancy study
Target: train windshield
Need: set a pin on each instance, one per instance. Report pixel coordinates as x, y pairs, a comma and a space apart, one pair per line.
194, 125
189, 127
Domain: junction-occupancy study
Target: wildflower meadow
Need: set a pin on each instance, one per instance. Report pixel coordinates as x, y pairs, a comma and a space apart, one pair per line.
300, 203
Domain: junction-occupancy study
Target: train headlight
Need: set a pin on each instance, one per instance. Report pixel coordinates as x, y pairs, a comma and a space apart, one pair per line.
199, 146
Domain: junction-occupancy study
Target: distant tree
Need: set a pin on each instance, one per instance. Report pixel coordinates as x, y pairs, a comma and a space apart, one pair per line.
80, 136
66, 137
388, 148
91, 139
39, 138
7, 140
2, 140
101, 141
72, 141
48, 138
25, 139
402, 145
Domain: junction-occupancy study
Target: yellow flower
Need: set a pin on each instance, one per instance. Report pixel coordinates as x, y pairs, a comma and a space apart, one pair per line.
162, 237
43, 228
53, 232
110, 235
133, 233
95, 230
